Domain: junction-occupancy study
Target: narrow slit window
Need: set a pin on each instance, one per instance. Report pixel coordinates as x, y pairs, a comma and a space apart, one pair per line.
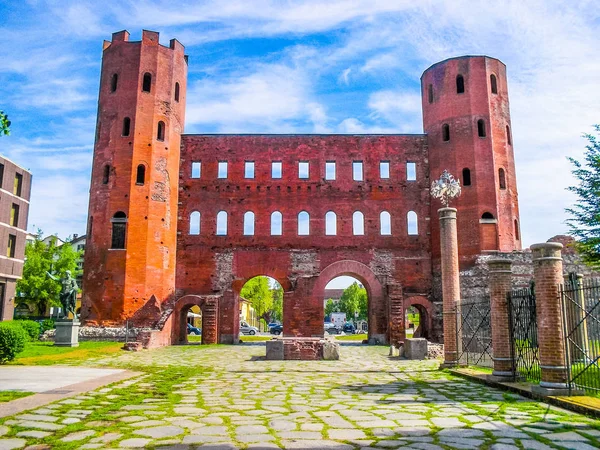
430, 93
357, 171
481, 128
303, 170
446, 132
141, 175
12, 244
384, 170
14, 215
119, 228
106, 174
147, 83
114, 82
248, 223
517, 230
222, 172
195, 223
160, 132
276, 223
90, 228
196, 169
411, 171
18, 185
330, 224
466, 177
460, 84
177, 92
493, 84
508, 138
330, 170
502, 178
222, 223
303, 223
276, 169
249, 169
126, 126
1, 175
385, 222
358, 223
412, 223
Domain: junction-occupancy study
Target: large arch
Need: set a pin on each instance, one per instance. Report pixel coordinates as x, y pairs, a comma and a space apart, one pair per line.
425, 308
208, 304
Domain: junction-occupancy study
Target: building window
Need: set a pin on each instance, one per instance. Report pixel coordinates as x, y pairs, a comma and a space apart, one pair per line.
248, 223
358, 223
487, 216
357, 171
508, 138
330, 170
114, 82
106, 174
160, 132
430, 93
411, 171
303, 170
330, 224
18, 184
276, 169
384, 170
276, 223
195, 222
119, 226
385, 223
222, 223
445, 132
126, 126
1, 175
249, 169
303, 223
460, 84
493, 84
502, 178
14, 215
412, 223
481, 128
222, 173
196, 169
12, 244
177, 92
147, 84
466, 177
516, 230
141, 175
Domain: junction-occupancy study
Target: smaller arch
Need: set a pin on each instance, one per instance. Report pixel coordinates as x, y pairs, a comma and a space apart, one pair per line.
195, 222
430, 93
493, 84
303, 223
412, 223
160, 132
276, 223
517, 234
248, 223
385, 223
126, 126
222, 223
330, 223
460, 84
425, 308
358, 223
119, 228
147, 82
466, 175
445, 132
487, 216
481, 128
114, 82
106, 174
177, 92
508, 136
502, 178
140, 177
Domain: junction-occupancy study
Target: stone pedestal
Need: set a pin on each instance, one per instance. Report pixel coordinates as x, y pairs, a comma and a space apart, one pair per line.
415, 348
67, 333
301, 348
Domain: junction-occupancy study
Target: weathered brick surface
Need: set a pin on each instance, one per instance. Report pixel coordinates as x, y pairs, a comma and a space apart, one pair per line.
500, 285
304, 349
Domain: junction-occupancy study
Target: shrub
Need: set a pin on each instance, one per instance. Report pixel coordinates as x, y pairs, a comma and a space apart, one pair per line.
12, 340
47, 324
31, 327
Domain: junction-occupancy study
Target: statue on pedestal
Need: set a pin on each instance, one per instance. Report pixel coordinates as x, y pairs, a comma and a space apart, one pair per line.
68, 294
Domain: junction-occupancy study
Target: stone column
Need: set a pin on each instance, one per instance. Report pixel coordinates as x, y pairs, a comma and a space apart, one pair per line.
500, 285
450, 284
548, 275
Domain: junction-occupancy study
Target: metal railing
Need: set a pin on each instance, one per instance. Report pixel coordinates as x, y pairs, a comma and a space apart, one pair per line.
474, 332
522, 322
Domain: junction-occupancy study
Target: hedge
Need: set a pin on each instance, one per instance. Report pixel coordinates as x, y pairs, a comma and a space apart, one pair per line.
12, 340
31, 327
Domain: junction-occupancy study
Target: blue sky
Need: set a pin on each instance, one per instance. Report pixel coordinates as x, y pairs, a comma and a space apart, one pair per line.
300, 67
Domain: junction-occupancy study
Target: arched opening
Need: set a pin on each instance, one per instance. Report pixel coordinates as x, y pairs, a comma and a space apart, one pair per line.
106, 174
114, 82
119, 228
346, 308
487, 215
358, 223
493, 84
195, 222
446, 132
222, 223
126, 126
481, 128
508, 137
140, 176
248, 223
147, 83
177, 92
193, 320
303, 223
412, 223
160, 132
385, 223
193, 328
502, 178
330, 223
488, 232
460, 84
276, 223
517, 234
261, 308
418, 317
466, 176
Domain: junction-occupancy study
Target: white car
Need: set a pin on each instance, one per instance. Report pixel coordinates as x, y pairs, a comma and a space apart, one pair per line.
247, 329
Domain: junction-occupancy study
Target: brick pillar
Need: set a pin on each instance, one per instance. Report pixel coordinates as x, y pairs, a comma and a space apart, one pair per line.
548, 275
210, 321
500, 285
450, 284
396, 328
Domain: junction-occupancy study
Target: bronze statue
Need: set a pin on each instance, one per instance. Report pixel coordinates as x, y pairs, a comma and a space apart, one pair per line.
68, 293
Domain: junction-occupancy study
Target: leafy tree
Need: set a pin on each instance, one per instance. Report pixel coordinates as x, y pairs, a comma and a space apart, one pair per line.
4, 124
36, 287
353, 300
331, 307
585, 220
277, 311
258, 292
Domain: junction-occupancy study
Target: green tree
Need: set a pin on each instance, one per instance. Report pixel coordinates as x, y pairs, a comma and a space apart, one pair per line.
4, 124
36, 287
585, 214
258, 292
354, 300
277, 310
331, 307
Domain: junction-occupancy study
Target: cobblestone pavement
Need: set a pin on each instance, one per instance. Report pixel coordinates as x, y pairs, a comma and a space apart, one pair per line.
222, 397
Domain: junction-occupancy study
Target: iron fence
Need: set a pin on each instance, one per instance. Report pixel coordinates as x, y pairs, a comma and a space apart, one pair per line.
581, 312
474, 332
522, 321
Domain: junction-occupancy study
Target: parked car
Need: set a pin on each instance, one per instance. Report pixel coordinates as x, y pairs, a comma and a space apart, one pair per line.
332, 328
193, 330
277, 329
247, 329
348, 328
272, 324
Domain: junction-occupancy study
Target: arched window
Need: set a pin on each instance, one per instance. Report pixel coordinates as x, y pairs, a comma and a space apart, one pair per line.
412, 223
481, 128
106, 174
119, 226
147, 84
517, 230
176, 92
303, 223
508, 138
385, 222
466, 177
276, 224
330, 223
248, 223
487, 216
222, 223
141, 174
502, 178
114, 82
160, 132
430, 93
460, 84
126, 126
358, 223
493, 84
195, 222
446, 132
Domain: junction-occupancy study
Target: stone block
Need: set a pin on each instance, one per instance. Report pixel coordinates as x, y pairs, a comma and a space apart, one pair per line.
275, 349
331, 350
67, 333
415, 348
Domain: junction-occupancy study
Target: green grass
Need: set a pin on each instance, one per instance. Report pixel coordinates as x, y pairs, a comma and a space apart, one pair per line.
351, 337
7, 396
45, 353
255, 338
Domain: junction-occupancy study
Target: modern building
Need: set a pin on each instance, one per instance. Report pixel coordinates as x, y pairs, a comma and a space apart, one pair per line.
15, 191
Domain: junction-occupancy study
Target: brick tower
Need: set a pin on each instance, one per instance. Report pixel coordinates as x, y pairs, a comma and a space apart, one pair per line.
467, 120
132, 221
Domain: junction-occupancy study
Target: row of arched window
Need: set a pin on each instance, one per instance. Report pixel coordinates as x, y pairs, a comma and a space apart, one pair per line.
146, 84
460, 86
466, 177
160, 129
140, 175
358, 223
481, 131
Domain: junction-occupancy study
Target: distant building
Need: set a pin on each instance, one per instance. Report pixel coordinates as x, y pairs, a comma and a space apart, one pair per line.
333, 294
15, 191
